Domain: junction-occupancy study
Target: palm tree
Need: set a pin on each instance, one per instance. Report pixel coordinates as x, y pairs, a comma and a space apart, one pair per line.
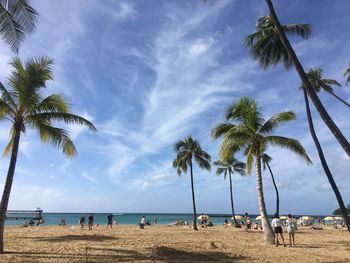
324, 162
230, 167
318, 83
24, 106
283, 42
270, 46
347, 73
188, 150
247, 130
266, 159
17, 18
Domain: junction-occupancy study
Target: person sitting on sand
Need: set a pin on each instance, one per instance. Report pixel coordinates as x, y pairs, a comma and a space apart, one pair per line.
25, 224
277, 226
210, 224
63, 221
90, 221
109, 220
82, 222
248, 222
225, 223
292, 227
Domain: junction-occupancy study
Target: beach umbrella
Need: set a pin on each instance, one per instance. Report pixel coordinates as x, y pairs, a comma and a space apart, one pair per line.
238, 217
329, 218
258, 218
338, 218
284, 217
200, 217
306, 218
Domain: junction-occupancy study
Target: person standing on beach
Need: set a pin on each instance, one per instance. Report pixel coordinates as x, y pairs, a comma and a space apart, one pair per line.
82, 222
292, 227
277, 226
109, 220
91, 221
248, 222
155, 220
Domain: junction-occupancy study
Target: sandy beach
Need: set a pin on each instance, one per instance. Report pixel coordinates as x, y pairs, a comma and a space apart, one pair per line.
168, 244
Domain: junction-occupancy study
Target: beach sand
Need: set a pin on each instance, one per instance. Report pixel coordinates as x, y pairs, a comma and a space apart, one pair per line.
168, 244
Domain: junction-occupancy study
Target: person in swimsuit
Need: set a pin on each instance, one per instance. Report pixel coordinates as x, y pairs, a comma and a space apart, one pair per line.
91, 221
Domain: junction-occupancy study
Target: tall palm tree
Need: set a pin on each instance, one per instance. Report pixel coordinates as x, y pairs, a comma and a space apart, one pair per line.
247, 130
188, 150
266, 159
270, 46
324, 162
318, 83
347, 73
230, 167
24, 106
17, 18
310, 92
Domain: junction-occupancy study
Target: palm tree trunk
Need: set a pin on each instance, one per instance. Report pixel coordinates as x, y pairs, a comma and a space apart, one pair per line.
269, 236
277, 194
232, 208
193, 200
7, 187
311, 92
340, 99
324, 163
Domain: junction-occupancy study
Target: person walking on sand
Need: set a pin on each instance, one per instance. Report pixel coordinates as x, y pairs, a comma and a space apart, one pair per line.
91, 221
82, 222
248, 222
277, 226
292, 227
109, 220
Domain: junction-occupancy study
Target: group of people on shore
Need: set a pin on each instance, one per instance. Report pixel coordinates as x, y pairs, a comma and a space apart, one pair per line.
290, 224
91, 220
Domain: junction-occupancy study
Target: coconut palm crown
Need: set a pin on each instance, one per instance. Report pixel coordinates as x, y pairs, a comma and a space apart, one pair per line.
252, 133
318, 83
266, 46
17, 18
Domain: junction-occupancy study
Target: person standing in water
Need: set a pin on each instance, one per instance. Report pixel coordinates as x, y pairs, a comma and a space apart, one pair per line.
82, 222
109, 220
292, 227
91, 221
277, 226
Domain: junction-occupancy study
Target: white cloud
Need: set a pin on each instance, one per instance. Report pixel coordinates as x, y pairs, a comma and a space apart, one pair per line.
126, 9
89, 178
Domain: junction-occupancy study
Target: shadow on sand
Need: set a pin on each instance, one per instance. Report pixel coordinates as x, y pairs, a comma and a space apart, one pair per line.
160, 254
73, 238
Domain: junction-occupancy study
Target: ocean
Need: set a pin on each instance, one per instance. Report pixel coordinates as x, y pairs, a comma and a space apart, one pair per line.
53, 219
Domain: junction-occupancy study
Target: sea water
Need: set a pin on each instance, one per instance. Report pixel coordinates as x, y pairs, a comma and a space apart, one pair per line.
53, 219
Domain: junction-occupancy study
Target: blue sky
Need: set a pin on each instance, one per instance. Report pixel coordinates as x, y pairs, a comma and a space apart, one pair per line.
149, 73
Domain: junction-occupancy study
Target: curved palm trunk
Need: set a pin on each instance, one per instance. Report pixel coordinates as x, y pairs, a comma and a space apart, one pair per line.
277, 194
269, 236
324, 164
340, 99
7, 187
232, 208
311, 92
193, 200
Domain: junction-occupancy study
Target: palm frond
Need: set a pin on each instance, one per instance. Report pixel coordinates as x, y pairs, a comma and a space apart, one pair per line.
277, 120
57, 137
220, 129
11, 31
347, 73
67, 118
288, 143
302, 30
